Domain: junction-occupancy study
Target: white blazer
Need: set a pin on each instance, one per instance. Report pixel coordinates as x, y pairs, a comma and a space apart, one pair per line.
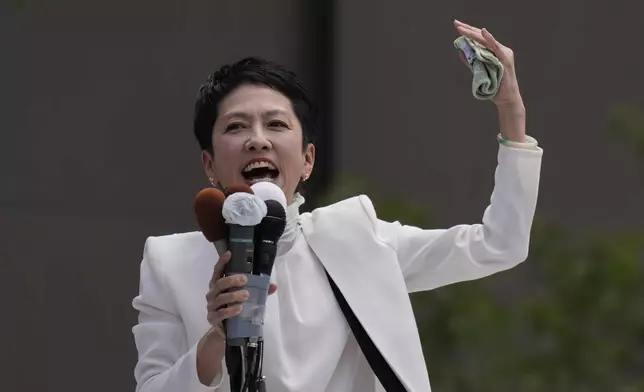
390, 259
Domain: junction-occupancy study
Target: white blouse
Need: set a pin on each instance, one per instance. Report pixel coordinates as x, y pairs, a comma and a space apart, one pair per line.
308, 343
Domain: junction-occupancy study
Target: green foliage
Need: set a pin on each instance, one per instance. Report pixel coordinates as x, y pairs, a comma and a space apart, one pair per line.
627, 123
389, 208
574, 324
569, 319
19, 5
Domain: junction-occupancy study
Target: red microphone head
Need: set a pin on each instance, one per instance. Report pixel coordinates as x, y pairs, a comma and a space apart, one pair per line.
236, 188
208, 204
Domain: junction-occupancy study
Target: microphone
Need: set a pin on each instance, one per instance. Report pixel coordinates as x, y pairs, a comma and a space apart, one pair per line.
269, 231
269, 191
267, 234
236, 188
235, 217
208, 208
243, 211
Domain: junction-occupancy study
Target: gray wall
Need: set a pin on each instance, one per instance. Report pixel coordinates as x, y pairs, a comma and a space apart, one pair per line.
406, 118
97, 152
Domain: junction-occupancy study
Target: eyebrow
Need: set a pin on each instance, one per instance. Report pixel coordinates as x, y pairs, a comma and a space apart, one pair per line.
276, 112
246, 116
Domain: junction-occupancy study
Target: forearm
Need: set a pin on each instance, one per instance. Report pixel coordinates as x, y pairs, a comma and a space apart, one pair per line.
512, 122
164, 368
210, 354
433, 258
181, 376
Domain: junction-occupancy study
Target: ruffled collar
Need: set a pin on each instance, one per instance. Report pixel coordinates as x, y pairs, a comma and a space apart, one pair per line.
292, 219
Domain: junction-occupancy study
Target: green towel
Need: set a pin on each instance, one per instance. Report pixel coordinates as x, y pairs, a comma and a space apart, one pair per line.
487, 70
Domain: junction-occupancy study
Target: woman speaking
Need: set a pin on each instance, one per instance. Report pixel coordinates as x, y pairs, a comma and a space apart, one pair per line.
254, 122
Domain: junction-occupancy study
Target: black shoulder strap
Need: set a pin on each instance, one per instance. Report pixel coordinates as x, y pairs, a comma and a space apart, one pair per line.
378, 364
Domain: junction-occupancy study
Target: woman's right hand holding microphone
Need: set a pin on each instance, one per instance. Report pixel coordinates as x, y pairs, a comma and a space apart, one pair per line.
224, 301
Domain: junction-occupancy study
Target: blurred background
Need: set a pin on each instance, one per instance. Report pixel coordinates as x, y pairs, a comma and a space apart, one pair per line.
97, 154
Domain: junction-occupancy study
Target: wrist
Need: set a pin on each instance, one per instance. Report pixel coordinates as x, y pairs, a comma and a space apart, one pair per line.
512, 119
210, 355
514, 109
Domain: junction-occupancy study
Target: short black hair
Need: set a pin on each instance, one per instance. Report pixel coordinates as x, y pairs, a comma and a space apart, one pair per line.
251, 70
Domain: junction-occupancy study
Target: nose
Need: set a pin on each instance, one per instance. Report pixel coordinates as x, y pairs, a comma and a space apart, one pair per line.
258, 141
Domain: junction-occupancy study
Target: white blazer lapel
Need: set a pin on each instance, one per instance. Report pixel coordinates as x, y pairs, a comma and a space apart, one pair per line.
367, 273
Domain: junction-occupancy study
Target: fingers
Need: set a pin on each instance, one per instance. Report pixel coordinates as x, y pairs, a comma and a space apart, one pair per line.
217, 316
223, 302
225, 299
219, 300
504, 53
472, 33
224, 284
479, 35
482, 36
489, 37
459, 23
218, 297
465, 26
485, 38
494, 45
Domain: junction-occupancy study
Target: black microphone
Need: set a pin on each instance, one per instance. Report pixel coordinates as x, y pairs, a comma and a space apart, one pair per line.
267, 233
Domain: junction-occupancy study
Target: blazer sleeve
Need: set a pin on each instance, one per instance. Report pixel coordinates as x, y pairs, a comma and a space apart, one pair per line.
433, 258
165, 362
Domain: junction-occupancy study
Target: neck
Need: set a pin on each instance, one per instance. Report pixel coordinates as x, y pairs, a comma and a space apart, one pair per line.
290, 198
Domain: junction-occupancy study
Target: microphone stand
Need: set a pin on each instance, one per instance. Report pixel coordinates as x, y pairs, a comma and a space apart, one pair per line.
261, 380
248, 367
254, 359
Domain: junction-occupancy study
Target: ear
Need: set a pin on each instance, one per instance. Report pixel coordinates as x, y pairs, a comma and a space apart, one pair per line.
309, 161
207, 162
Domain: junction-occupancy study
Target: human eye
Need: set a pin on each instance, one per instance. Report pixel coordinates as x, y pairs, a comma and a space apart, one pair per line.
278, 124
234, 126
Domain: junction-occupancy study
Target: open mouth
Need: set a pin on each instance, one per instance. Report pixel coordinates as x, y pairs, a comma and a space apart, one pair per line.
260, 170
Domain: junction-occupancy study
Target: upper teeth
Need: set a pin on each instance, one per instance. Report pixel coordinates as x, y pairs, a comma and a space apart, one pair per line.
257, 165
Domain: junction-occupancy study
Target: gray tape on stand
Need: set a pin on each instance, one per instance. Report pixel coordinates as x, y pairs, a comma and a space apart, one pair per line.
249, 323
